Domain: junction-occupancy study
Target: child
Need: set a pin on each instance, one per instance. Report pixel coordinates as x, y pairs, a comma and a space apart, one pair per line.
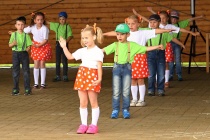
20, 43
89, 76
40, 50
61, 29
124, 56
139, 65
176, 48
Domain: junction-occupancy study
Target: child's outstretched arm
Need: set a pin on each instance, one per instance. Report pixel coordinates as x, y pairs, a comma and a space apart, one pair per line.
137, 14
159, 47
175, 40
159, 31
150, 9
189, 32
112, 33
194, 18
62, 42
69, 39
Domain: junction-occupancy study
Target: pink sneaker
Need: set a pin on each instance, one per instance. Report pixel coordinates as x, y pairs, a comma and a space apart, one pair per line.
92, 129
82, 129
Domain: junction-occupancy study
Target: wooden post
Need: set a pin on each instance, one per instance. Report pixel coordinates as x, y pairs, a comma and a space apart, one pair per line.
207, 52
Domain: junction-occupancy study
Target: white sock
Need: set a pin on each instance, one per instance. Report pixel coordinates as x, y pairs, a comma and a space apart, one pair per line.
134, 90
43, 75
83, 115
36, 76
166, 76
142, 89
95, 115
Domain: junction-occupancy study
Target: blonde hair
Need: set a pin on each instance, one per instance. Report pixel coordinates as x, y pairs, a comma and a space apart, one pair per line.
94, 31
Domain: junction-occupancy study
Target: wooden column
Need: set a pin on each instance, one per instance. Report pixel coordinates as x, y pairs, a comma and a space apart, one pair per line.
207, 52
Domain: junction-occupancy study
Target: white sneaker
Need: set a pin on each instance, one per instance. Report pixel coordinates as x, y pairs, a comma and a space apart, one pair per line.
133, 103
141, 103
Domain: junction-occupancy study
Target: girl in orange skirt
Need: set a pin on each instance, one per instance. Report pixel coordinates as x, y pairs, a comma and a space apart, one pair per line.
89, 76
41, 50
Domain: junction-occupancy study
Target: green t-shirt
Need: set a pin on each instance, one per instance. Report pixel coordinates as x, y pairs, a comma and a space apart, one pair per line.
23, 41
123, 51
60, 30
166, 37
180, 24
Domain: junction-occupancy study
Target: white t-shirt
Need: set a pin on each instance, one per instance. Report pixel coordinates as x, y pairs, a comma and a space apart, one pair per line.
89, 57
170, 26
38, 34
141, 36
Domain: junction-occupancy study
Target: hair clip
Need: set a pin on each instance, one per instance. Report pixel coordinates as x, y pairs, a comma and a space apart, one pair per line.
158, 12
139, 18
126, 20
32, 14
168, 11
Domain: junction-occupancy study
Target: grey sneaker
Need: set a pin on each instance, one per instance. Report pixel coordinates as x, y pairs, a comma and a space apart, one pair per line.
133, 103
141, 103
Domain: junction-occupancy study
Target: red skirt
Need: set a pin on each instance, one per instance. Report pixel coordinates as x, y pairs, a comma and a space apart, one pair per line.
85, 78
169, 53
140, 66
42, 53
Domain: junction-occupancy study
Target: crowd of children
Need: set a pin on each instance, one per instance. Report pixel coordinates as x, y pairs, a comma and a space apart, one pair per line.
133, 60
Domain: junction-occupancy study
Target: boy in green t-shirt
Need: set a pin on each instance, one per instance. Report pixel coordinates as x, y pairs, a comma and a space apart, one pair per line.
20, 43
124, 56
176, 48
62, 29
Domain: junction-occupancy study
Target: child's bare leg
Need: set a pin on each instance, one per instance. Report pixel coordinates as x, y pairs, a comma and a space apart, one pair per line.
83, 97
93, 97
36, 72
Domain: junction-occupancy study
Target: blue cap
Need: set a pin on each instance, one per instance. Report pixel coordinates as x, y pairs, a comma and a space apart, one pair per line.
63, 14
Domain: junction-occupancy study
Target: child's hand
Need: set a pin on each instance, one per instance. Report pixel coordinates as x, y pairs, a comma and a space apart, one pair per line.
183, 46
160, 47
95, 83
14, 43
196, 33
10, 32
149, 8
62, 42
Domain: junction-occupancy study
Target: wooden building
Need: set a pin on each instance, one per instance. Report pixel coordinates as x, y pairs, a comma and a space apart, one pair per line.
106, 13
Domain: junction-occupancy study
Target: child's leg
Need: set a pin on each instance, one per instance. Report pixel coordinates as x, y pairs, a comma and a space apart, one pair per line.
58, 57
36, 72
26, 70
93, 97
134, 89
167, 73
83, 97
43, 73
142, 89
15, 71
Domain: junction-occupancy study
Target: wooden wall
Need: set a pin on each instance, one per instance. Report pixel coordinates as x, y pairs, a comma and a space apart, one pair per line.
106, 13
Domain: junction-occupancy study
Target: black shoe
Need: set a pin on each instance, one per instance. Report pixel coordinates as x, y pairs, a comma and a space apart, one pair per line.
65, 78
27, 92
151, 94
15, 92
36, 86
57, 78
161, 94
42, 86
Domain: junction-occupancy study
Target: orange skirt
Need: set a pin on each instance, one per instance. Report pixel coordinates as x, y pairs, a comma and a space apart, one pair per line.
169, 53
42, 53
140, 66
85, 78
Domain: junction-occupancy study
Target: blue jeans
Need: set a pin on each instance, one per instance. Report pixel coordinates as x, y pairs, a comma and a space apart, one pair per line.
17, 59
121, 86
156, 65
177, 57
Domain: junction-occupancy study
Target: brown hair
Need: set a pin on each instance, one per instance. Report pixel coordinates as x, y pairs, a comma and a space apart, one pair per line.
34, 15
94, 31
167, 14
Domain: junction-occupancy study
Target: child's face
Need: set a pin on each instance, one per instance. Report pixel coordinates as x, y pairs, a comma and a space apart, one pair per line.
133, 24
88, 38
164, 19
19, 25
174, 20
39, 20
122, 37
154, 24
62, 20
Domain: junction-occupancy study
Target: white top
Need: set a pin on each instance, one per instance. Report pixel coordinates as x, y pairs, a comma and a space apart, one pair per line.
89, 57
141, 36
170, 26
38, 34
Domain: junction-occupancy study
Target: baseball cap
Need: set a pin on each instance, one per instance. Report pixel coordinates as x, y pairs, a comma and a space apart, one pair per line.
154, 17
63, 14
175, 14
122, 28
